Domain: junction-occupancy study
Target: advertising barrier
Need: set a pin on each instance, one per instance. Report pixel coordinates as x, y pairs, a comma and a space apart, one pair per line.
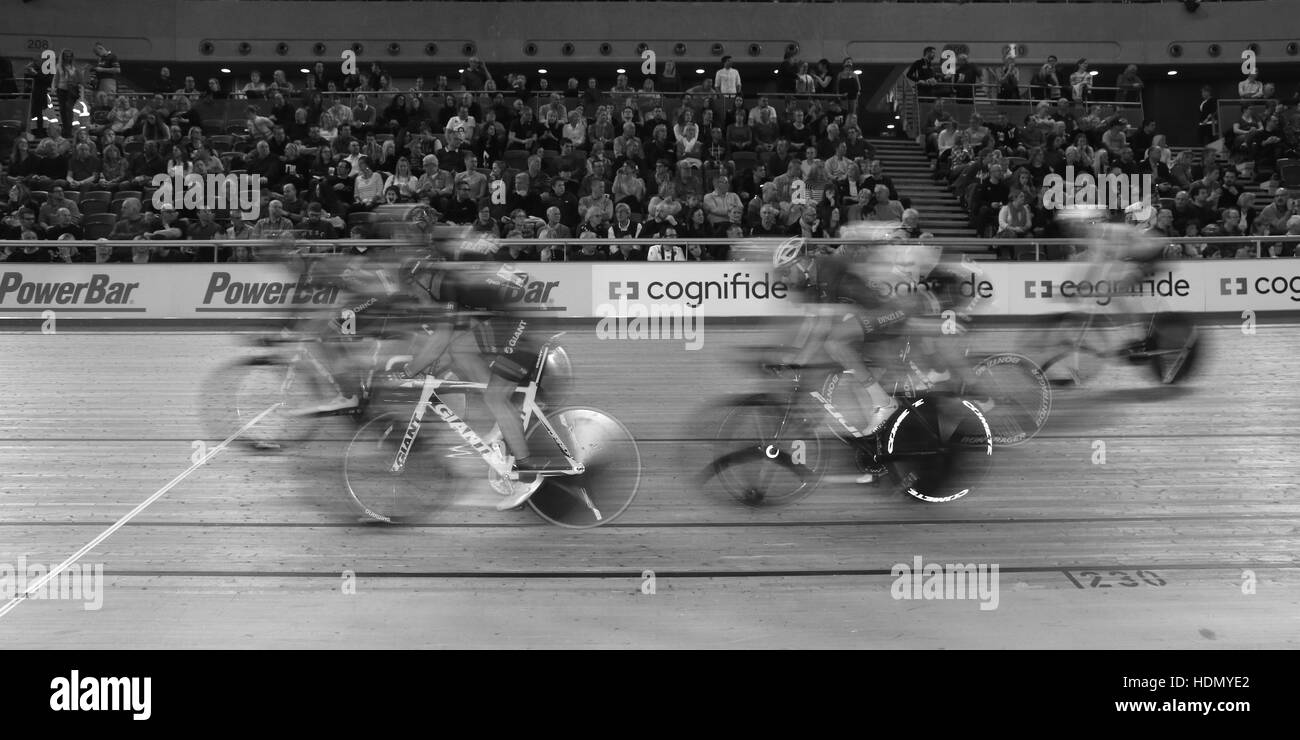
713, 289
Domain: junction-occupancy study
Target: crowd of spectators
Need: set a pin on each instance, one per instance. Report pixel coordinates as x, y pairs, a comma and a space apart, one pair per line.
640, 162
997, 168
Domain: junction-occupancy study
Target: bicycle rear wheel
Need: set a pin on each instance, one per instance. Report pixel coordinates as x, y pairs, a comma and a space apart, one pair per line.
379, 493
1021, 395
939, 448
613, 468
765, 456
239, 391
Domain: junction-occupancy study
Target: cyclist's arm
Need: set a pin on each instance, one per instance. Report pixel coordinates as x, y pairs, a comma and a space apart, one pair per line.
438, 336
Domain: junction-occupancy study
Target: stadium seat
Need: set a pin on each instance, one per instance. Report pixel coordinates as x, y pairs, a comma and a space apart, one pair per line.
744, 161
1289, 169
124, 194
222, 143
516, 159
73, 195
40, 196
98, 226
92, 207
91, 195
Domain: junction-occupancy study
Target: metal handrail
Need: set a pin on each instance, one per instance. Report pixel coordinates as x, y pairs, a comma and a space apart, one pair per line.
1037, 243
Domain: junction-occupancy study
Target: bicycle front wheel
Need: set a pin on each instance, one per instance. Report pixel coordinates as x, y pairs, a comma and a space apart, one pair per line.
1021, 396
939, 448
238, 392
386, 496
612, 472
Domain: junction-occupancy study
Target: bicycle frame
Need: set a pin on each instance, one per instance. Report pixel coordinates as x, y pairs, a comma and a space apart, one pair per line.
431, 401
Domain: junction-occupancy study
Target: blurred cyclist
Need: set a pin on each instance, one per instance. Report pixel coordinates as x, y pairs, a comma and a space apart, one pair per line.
1120, 255
455, 303
855, 304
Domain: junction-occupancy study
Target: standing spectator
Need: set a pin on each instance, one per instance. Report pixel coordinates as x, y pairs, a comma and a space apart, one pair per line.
41, 85
68, 81
1009, 79
1129, 84
966, 77
1207, 128
1250, 87
106, 69
255, 89
1045, 84
727, 79
476, 75
848, 85
1080, 82
921, 72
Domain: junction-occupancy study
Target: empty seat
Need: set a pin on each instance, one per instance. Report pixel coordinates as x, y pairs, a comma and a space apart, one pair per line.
92, 207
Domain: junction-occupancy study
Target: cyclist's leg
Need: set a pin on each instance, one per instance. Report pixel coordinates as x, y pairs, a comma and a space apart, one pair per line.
468, 358
842, 344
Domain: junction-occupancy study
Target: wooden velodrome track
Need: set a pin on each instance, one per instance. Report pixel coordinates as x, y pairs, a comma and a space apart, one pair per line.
249, 551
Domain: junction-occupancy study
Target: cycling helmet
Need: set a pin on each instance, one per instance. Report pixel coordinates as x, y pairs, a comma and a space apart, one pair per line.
789, 251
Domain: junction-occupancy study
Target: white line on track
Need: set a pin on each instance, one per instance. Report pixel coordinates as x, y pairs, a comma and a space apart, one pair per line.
54, 572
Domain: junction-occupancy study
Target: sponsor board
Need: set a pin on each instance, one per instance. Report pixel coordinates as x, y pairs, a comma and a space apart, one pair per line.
720, 289
1053, 287
171, 291
1257, 285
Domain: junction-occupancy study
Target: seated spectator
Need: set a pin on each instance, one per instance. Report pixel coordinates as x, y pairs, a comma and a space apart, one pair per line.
131, 222
719, 204
879, 206
809, 225
598, 203
55, 202
1276, 214
660, 222
62, 225
1015, 219
588, 252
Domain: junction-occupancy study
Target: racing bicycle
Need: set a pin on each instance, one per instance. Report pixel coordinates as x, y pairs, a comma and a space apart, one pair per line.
394, 469
772, 449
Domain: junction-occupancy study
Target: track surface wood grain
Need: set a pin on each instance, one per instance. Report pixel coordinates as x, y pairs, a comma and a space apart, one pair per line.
1198, 486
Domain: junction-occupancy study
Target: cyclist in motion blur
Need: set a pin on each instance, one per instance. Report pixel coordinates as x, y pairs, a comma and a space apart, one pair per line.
454, 306
856, 306
1119, 256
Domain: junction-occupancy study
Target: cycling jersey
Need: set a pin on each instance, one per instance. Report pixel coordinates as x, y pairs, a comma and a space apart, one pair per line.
458, 291
881, 308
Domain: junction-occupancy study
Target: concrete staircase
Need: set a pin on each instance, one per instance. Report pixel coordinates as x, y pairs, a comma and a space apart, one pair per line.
905, 162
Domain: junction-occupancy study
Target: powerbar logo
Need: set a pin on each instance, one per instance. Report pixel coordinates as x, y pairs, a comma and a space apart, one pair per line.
1103, 290
100, 289
733, 287
1263, 286
220, 285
